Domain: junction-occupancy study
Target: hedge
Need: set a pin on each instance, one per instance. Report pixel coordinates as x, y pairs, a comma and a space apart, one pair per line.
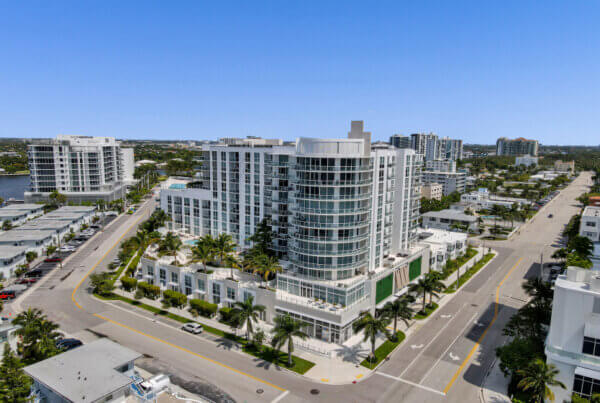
225, 314
174, 298
203, 308
148, 290
129, 283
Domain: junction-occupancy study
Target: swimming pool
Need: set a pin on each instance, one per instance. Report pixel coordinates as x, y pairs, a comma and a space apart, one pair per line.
190, 242
178, 186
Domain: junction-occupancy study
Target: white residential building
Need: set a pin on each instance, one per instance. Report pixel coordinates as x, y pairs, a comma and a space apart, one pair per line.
82, 168
450, 181
526, 160
17, 214
344, 215
573, 342
448, 220
441, 165
10, 259
482, 199
590, 228
434, 148
518, 146
432, 191
35, 240
444, 245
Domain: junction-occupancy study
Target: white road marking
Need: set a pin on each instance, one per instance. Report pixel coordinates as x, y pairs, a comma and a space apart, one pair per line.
416, 385
454, 357
430, 342
477, 323
448, 348
281, 396
445, 316
415, 346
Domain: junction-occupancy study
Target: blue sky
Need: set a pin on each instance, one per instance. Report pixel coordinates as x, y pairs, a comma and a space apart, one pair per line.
198, 70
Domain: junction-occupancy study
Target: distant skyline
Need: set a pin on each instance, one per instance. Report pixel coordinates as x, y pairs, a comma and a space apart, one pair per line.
197, 70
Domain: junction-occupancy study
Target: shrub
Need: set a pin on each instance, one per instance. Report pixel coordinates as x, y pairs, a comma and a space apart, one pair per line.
225, 314
31, 256
149, 290
174, 298
203, 308
129, 283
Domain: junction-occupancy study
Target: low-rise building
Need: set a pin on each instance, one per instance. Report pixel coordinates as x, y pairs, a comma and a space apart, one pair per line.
59, 227
34, 240
449, 220
590, 228
564, 166
32, 210
101, 371
526, 160
432, 191
482, 199
573, 342
444, 245
450, 181
13, 217
440, 165
10, 259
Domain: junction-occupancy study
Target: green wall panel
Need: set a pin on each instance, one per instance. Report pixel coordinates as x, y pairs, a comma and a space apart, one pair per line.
414, 269
384, 288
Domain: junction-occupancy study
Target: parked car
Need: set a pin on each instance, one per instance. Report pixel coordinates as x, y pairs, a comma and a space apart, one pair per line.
28, 280
34, 273
53, 259
68, 344
66, 249
95, 226
550, 215
195, 328
5, 295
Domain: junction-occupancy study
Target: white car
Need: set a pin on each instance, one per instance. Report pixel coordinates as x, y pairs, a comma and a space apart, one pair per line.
192, 327
66, 249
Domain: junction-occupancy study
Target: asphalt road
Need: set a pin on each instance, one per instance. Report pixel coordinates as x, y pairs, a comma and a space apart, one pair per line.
445, 360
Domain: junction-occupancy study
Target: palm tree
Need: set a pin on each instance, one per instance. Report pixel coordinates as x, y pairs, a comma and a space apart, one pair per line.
223, 247
203, 253
38, 335
400, 308
372, 327
286, 328
419, 287
538, 289
582, 246
266, 265
433, 278
560, 254
246, 313
537, 378
169, 246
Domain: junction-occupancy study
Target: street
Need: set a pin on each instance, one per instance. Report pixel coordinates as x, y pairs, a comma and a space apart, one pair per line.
445, 360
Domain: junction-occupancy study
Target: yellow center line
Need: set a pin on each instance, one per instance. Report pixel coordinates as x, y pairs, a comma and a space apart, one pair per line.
153, 337
476, 346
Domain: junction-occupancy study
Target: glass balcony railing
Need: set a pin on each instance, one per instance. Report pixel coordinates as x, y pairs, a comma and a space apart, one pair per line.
580, 357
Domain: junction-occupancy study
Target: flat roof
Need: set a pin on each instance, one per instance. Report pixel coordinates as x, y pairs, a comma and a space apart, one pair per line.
38, 223
23, 207
63, 215
591, 211
86, 373
26, 235
450, 214
13, 213
7, 251
440, 236
70, 209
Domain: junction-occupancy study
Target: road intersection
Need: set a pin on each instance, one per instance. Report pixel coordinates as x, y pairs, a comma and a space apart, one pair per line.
446, 359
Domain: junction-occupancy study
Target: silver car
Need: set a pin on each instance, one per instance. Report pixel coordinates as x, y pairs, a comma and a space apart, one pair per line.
192, 327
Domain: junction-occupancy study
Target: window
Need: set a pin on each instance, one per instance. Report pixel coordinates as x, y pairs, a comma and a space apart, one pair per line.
230, 293
247, 296
585, 387
174, 278
201, 285
590, 224
591, 346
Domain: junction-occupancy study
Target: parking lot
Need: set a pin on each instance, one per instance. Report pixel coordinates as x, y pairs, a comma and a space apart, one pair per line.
48, 265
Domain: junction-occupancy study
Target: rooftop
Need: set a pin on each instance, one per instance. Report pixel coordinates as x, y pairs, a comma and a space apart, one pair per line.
23, 207
70, 209
7, 251
46, 223
440, 236
86, 373
591, 211
451, 214
26, 235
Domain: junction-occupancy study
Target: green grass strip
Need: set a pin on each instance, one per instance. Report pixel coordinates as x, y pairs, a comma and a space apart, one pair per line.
266, 353
455, 264
429, 309
383, 351
470, 273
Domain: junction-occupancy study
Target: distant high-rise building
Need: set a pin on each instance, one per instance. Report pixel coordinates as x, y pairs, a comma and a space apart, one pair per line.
434, 148
400, 141
450, 149
518, 146
80, 167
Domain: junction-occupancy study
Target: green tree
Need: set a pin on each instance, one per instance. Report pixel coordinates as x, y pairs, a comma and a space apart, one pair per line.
223, 247
170, 245
57, 199
399, 308
262, 238
434, 283
15, 385
246, 313
204, 251
266, 266
581, 245
38, 335
537, 378
285, 329
102, 283
420, 287
31, 256
6, 225
129, 283
371, 327
538, 289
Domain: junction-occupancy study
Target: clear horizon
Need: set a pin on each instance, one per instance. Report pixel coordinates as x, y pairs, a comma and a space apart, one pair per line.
199, 71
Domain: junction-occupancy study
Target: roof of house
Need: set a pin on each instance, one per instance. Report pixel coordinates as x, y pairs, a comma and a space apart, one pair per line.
7, 251
87, 373
51, 224
25, 235
591, 211
71, 209
451, 215
23, 207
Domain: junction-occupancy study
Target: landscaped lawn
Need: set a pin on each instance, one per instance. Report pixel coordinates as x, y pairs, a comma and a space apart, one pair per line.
266, 353
469, 273
383, 351
429, 308
453, 265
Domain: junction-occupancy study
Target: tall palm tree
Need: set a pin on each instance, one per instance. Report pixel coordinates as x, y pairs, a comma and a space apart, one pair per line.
246, 313
420, 287
582, 246
223, 247
170, 245
38, 335
400, 308
537, 379
203, 253
286, 328
371, 327
538, 289
433, 279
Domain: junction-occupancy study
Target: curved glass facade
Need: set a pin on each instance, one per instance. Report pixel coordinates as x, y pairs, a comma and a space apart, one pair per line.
331, 216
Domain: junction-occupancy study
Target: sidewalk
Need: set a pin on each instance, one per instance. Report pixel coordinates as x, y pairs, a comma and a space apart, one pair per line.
495, 386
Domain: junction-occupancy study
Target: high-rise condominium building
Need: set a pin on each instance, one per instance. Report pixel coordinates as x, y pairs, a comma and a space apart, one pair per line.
344, 216
80, 167
518, 146
434, 148
400, 141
